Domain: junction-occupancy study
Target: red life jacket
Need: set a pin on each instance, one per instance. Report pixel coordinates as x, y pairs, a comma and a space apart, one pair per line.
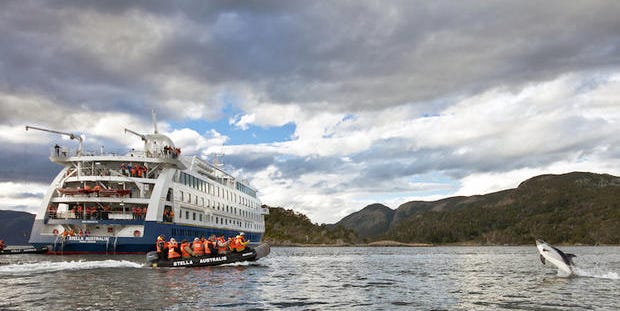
172, 250
184, 252
198, 248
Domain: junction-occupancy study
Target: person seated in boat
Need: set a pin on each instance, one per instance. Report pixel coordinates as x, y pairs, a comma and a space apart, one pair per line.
162, 247
222, 245
239, 243
173, 249
186, 250
210, 245
1, 245
198, 247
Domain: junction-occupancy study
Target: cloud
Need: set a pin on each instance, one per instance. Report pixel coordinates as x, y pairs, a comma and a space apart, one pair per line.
389, 101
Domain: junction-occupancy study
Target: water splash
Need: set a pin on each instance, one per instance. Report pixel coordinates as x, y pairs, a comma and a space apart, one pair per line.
596, 273
51, 266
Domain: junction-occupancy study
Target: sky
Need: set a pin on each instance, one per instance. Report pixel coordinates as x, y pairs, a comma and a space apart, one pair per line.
324, 106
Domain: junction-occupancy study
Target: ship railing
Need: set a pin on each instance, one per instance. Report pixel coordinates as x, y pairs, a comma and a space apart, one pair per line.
62, 152
127, 214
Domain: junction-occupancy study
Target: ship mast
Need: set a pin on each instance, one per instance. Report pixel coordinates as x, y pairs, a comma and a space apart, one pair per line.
71, 136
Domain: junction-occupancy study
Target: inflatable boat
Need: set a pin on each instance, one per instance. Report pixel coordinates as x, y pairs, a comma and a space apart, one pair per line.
29, 250
252, 254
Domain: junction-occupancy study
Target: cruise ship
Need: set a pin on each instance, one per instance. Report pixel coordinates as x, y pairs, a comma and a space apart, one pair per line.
110, 203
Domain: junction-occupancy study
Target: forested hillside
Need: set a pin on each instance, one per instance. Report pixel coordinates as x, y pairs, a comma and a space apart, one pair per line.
574, 208
287, 227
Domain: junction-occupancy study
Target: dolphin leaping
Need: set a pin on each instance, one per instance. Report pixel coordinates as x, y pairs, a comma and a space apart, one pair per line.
563, 261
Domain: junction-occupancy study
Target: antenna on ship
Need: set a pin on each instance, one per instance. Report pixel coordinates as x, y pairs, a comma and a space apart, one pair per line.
71, 135
154, 121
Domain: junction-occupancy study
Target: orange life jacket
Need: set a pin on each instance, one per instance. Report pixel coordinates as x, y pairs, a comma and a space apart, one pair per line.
232, 245
184, 253
198, 248
240, 243
172, 250
207, 246
221, 247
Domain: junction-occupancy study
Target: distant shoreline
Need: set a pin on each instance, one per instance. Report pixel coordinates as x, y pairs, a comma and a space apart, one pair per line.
389, 243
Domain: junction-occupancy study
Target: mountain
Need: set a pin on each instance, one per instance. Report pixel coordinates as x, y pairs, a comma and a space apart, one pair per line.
373, 220
569, 208
16, 226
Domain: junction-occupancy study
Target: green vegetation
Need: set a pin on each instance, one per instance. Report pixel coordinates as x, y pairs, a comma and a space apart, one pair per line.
287, 227
574, 208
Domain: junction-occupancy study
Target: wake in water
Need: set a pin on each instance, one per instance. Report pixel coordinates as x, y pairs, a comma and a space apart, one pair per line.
50, 266
596, 273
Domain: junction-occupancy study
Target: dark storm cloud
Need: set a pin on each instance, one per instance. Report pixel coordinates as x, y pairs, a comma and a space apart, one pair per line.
26, 163
355, 55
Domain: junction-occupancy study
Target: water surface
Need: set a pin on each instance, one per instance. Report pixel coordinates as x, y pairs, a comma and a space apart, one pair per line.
322, 278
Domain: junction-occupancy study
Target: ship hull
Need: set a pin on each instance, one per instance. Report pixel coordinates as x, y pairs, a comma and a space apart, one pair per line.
126, 245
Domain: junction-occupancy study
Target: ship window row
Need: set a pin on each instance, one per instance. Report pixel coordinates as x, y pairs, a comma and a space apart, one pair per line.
186, 197
245, 189
218, 220
220, 192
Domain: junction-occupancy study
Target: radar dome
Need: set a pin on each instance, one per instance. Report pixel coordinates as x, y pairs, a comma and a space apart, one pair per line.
155, 143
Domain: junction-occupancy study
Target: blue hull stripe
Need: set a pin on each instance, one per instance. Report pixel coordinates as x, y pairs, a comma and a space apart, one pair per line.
142, 244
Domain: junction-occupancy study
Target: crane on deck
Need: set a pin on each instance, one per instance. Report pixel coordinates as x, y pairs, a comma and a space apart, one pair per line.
71, 136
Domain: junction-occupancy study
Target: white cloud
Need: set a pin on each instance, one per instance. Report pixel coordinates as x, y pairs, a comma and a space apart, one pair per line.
23, 196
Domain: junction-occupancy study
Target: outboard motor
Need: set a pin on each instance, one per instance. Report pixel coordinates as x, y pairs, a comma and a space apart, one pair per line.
151, 258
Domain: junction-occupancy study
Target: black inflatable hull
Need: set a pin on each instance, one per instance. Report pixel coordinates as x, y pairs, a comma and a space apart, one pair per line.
254, 254
17, 251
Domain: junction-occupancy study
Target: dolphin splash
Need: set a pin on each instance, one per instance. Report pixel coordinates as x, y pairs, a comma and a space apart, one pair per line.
563, 261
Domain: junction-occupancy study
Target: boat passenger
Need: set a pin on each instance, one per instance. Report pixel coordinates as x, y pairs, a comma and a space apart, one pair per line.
210, 245
162, 247
173, 249
240, 242
186, 250
198, 247
222, 245
1, 245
